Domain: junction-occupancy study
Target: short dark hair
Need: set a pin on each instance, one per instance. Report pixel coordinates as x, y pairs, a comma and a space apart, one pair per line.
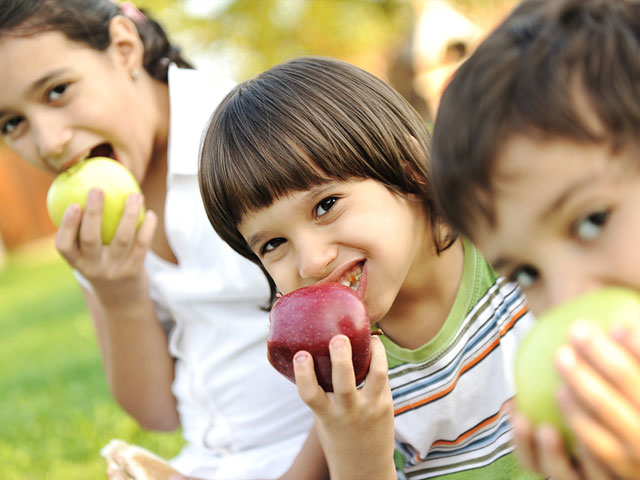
87, 21
532, 76
303, 123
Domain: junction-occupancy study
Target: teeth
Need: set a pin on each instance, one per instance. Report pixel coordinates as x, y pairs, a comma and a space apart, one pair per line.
353, 279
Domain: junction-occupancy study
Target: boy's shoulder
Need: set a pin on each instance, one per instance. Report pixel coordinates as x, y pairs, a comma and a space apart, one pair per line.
485, 302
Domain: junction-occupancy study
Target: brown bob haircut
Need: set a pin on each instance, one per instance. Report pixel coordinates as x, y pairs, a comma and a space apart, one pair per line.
304, 123
544, 72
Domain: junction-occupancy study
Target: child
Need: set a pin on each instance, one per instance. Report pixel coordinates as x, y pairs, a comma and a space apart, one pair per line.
178, 315
317, 171
536, 159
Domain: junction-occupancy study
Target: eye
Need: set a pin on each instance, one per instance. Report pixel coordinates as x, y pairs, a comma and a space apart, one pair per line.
56, 92
325, 205
590, 227
10, 125
271, 245
526, 276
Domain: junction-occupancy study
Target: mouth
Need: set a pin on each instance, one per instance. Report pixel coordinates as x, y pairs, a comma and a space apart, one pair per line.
352, 278
102, 150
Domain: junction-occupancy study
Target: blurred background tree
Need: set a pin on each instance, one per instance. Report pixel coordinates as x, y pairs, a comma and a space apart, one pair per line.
246, 37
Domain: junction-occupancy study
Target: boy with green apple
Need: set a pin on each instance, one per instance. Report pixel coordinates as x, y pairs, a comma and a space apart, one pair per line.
536, 159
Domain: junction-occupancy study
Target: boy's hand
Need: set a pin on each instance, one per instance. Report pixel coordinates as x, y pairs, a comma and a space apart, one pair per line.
114, 270
601, 403
355, 426
601, 400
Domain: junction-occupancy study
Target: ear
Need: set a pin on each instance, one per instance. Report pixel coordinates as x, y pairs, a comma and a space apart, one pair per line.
126, 45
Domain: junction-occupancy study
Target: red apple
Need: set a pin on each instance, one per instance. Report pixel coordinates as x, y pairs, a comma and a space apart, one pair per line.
307, 319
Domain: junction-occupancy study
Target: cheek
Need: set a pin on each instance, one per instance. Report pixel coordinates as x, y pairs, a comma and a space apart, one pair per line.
537, 304
25, 150
283, 277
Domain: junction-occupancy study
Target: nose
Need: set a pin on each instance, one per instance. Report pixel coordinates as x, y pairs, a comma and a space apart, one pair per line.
51, 138
570, 282
315, 256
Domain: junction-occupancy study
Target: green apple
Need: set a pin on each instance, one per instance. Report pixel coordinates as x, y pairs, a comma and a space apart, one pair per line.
73, 185
536, 377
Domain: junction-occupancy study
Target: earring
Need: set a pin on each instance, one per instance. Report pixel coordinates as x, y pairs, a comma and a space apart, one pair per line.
135, 75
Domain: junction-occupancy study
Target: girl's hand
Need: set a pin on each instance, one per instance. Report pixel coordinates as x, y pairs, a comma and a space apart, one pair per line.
116, 270
355, 426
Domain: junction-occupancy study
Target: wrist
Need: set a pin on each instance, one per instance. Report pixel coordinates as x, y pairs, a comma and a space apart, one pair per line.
123, 295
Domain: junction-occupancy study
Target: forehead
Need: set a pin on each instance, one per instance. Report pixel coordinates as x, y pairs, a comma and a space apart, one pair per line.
27, 59
531, 180
279, 211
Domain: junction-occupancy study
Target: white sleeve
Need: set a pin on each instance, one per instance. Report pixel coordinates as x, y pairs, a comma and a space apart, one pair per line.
162, 313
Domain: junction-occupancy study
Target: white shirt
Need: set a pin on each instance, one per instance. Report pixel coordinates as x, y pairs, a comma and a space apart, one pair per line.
240, 417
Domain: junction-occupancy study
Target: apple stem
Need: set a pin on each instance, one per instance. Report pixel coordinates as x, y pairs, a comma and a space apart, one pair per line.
377, 331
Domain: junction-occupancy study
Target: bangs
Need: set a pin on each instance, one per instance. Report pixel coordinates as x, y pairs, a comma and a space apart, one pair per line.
272, 136
302, 124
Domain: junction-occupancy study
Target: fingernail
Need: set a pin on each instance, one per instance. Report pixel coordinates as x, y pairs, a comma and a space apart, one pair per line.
72, 211
620, 331
337, 342
301, 357
565, 358
581, 331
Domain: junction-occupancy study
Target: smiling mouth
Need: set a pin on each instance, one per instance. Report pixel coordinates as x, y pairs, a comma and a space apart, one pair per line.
352, 279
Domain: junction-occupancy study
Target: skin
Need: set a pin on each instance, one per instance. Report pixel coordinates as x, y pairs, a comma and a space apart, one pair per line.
60, 100
580, 234
322, 235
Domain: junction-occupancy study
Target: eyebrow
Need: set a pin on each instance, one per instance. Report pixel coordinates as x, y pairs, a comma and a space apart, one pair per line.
559, 202
503, 262
314, 191
254, 240
39, 84
42, 81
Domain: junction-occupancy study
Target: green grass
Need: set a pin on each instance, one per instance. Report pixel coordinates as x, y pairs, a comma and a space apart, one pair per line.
55, 408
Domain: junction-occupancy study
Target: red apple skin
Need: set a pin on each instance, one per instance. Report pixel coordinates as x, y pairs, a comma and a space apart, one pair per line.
308, 318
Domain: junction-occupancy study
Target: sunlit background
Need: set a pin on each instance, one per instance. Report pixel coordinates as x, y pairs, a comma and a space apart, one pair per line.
55, 409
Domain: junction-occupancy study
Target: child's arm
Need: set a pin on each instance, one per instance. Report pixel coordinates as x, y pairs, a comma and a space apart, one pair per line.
355, 427
133, 346
601, 402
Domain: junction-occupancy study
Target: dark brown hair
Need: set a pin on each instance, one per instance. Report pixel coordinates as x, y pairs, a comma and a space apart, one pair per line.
87, 21
303, 123
541, 73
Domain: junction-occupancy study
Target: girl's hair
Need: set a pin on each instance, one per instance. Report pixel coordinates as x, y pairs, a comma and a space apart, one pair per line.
87, 21
301, 124
547, 72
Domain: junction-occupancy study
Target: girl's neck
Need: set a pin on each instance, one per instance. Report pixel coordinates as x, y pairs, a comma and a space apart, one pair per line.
425, 300
154, 185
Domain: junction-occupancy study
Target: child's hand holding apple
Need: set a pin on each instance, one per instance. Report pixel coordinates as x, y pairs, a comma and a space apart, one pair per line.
320, 338
103, 232
578, 384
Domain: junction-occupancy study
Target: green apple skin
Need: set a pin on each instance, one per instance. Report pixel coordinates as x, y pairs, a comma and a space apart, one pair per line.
536, 378
73, 185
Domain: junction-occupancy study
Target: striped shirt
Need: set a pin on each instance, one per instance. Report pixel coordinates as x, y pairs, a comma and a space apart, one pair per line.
449, 395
